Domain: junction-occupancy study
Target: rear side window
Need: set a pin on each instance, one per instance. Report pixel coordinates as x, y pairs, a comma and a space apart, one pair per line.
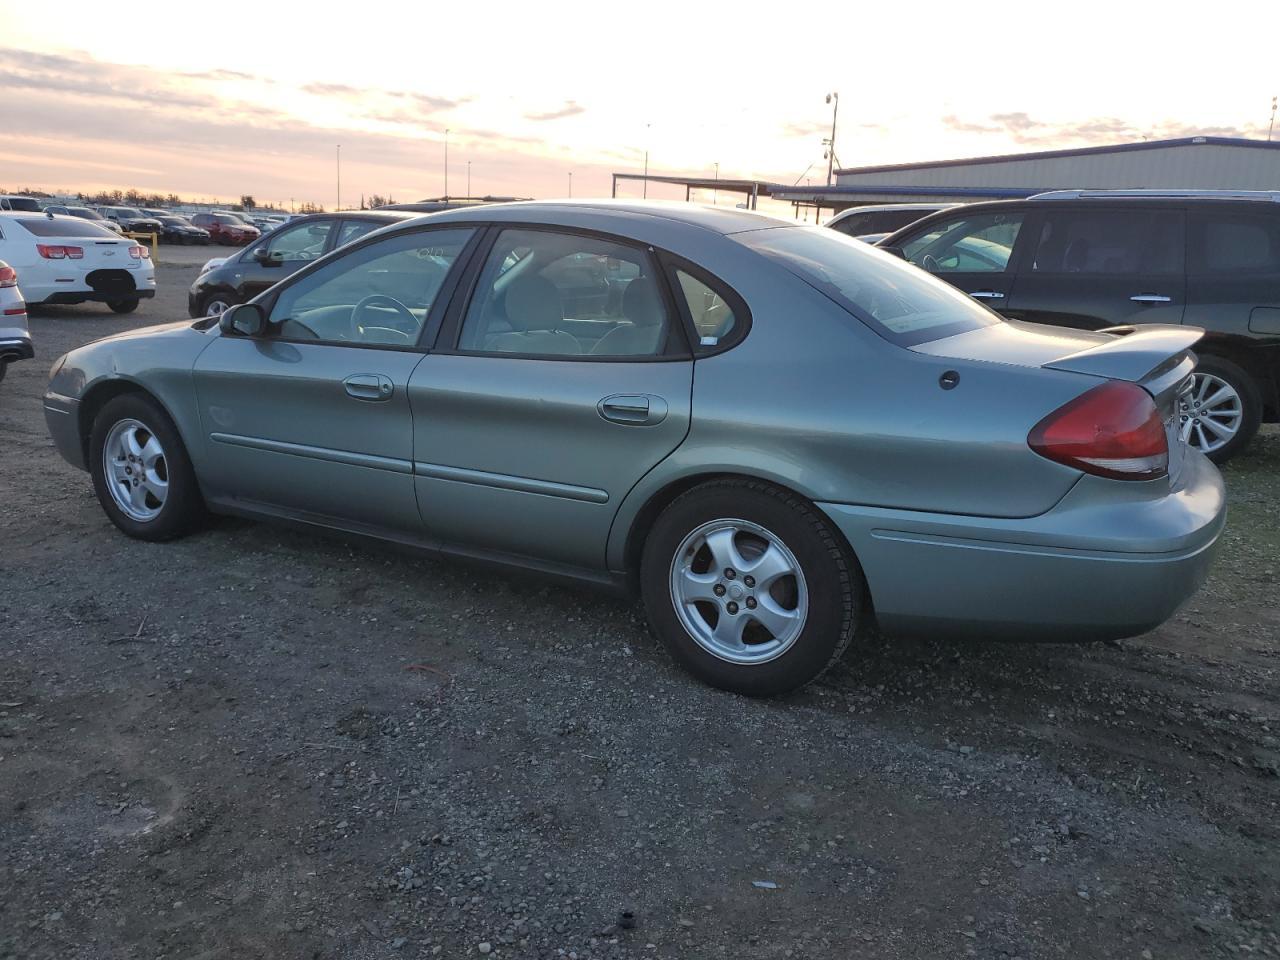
47, 227
1109, 242
713, 317
1234, 243
25, 204
902, 304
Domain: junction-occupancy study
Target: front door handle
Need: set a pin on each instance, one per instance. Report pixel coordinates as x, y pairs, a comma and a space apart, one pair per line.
1149, 298
637, 410
369, 386
987, 294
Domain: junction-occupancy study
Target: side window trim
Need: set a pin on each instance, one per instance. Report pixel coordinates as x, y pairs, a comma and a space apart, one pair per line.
676, 347
742, 315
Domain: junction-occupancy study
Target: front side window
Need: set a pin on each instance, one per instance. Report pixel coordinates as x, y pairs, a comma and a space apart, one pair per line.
1108, 242
1228, 243
355, 229
306, 241
378, 295
552, 294
976, 244
899, 302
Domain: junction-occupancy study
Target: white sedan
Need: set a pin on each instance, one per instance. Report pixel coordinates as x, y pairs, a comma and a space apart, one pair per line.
15, 338
68, 260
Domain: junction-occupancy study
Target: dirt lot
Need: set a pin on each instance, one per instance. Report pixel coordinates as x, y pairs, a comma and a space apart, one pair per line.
254, 743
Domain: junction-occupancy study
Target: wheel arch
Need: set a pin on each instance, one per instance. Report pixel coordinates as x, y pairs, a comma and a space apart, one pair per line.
99, 394
1262, 365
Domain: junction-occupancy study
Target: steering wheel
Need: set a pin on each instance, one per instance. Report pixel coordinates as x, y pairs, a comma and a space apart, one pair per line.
929, 262
360, 331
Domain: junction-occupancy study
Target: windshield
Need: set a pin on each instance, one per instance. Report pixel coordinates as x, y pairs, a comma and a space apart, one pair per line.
84, 213
130, 212
900, 302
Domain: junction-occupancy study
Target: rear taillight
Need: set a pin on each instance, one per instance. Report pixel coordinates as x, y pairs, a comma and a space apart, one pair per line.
8, 277
139, 253
52, 252
1113, 431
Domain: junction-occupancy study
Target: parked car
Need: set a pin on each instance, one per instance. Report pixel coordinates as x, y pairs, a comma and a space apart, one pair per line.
15, 338
226, 228
9, 201
69, 260
131, 219
1096, 259
226, 281
84, 213
873, 223
155, 212
180, 230
517, 384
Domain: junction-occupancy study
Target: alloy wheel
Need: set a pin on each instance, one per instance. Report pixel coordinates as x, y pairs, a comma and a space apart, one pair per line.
1211, 413
215, 307
739, 591
135, 469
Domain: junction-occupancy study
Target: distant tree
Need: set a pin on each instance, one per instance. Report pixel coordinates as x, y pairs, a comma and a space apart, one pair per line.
378, 200
310, 208
247, 201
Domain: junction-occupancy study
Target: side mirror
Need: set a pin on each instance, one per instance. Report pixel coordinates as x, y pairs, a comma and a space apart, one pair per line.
896, 251
263, 256
243, 320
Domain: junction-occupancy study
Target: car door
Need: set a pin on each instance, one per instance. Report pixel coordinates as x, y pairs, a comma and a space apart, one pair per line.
540, 408
284, 252
1091, 266
314, 419
974, 252
1233, 270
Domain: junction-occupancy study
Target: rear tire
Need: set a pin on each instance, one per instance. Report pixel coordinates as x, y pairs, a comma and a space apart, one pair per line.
177, 507
781, 630
1214, 374
124, 306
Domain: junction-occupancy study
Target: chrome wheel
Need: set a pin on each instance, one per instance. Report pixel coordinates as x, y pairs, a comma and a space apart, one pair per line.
738, 591
1211, 413
215, 307
135, 470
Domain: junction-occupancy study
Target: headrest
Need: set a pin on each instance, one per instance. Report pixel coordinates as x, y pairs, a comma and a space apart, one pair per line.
533, 303
641, 303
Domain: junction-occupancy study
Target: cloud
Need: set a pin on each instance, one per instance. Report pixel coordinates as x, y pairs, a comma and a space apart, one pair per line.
1023, 129
571, 108
805, 129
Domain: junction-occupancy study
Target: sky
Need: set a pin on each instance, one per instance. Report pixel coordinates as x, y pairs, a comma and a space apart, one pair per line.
211, 101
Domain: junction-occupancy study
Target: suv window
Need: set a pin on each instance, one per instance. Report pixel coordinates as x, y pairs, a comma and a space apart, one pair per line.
306, 241
550, 294
1108, 241
982, 243
23, 204
379, 295
1227, 242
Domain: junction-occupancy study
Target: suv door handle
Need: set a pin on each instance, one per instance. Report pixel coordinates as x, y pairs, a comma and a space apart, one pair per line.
369, 386
637, 410
987, 294
1148, 298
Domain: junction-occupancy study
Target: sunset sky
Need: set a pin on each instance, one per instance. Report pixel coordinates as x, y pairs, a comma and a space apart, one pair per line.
215, 100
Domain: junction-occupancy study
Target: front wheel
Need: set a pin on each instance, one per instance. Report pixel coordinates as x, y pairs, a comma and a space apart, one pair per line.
1223, 410
124, 306
749, 588
141, 472
214, 304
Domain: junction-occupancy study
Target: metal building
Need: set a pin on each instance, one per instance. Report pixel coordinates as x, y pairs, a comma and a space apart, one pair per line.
1221, 163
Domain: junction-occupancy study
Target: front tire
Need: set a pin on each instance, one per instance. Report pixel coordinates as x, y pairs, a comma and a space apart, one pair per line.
141, 472
1223, 411
124, 306
749, 587
215, 304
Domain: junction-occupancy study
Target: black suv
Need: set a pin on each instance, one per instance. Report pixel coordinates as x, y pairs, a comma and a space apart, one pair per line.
227, 281
1109, 258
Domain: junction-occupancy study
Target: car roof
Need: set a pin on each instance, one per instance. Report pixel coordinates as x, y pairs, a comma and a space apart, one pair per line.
721, 220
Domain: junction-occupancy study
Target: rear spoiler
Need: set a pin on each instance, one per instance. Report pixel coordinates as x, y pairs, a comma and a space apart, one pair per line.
1157, 356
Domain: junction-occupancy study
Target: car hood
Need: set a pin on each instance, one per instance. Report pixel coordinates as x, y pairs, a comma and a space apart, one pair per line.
212, 264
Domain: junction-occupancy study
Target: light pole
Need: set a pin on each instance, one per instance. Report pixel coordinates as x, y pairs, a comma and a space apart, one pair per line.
446, 163
570, 184
1272, 125
338, 156
714, 191
468, 178
834, 100
645, 194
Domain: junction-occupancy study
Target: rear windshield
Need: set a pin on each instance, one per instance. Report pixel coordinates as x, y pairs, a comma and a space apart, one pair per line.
900, 302
19, 203
58, 227
878, 221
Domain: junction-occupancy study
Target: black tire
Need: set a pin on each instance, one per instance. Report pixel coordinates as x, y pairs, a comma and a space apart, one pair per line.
837, 604
4, 368
183, 509
124, 306
1250, 403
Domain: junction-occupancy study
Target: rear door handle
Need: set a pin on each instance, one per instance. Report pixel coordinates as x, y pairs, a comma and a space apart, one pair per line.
632, 409
1149, 298
987, 294
369, 386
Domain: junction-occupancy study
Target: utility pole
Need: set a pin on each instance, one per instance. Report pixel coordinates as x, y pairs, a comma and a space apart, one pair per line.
1272, 126
645, 194
339, 175
468, 178
833, 99
714, 191
446, 163
570, 184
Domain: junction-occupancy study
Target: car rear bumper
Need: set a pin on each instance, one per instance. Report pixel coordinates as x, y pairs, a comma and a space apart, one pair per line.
62, 415
14, 347
1106, 562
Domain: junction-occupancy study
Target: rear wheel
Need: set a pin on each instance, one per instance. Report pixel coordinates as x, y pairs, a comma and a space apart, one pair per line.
124, 306
749, 588
141, 472
1223, 410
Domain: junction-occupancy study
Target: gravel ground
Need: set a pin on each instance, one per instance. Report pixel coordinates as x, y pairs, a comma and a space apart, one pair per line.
256, 743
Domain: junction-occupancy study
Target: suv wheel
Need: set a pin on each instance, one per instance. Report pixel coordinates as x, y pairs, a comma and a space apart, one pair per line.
749, 588
1223, 410
141, 472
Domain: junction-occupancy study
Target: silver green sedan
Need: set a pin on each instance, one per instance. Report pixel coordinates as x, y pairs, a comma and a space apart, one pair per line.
778, 435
